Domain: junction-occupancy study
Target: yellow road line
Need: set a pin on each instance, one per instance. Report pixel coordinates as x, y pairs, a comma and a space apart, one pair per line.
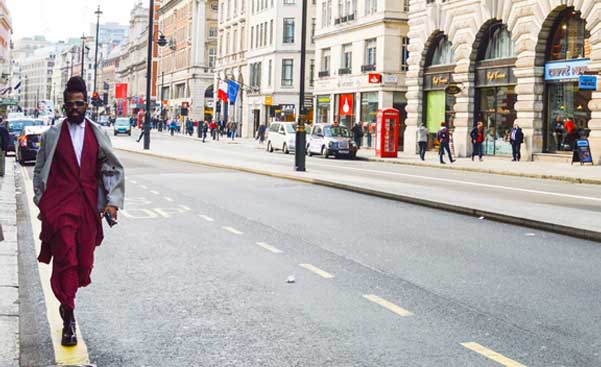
232, 230
316, 270
491, 354
269, 248
64, 356
388, 305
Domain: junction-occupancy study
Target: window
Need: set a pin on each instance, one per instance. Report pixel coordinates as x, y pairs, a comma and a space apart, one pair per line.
235, 41
287, 72
312, 30
255, 74
229, 9
288, 30
340, 7
236, 7
214, 6
252, 7
329, 16
221, 12
404, 53
500, 44
347, 57
252, 35
311, 72
212, 57
212, 32
371, 6
269, 75
289, 1
227, 43
443, 53
271, 32
348, 7
256, 36
370, 52
325, 59
324, 11
220, 45
265, 34
406, 6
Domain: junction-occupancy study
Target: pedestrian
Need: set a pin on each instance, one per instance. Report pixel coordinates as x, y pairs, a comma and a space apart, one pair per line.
213, 127
77, 180
205, 128
357, 133
422, 140
516, 139
4, 140
558, 130
199, 128
233, 127
570, 136
261, 133
142, 132
172, 127
444, 139
189, 126
477, 135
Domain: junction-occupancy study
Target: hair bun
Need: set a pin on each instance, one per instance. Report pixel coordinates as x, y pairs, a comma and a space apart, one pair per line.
76, 84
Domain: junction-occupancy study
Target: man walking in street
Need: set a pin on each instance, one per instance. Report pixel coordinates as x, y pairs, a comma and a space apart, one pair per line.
357, 133
4, 139
516, 139
422, 140
444, 139
77, 180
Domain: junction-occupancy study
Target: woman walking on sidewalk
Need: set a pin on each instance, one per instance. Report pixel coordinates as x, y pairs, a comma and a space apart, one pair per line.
477, 135
444, 139
422, 140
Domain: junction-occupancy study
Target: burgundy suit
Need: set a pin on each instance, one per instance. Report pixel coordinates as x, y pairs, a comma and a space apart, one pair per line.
71, 225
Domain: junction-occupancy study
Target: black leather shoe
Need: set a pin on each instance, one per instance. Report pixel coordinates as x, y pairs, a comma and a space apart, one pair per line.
69, 338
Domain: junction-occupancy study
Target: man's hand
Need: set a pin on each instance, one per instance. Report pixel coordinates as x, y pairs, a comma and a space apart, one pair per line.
112, 210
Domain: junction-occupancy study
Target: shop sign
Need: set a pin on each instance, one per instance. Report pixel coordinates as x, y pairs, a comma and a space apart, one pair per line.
438, 81
566, 70
323, 100
582, 152
390, 79
453, 88
587, 82
495, 76
288, 108
308, 103
209, 102
268, 100
374, 78
346, 105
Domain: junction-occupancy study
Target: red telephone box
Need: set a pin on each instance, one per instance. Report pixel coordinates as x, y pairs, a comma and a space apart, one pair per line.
387, 133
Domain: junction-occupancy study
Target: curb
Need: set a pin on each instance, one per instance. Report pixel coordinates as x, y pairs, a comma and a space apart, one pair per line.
499, 217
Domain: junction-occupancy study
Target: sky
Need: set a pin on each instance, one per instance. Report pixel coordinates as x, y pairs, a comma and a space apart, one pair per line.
63, 19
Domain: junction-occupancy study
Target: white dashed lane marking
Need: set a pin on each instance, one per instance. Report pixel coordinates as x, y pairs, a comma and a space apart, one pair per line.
168, 199
143, 187
206, 217
155, 192
232, 230
269, 248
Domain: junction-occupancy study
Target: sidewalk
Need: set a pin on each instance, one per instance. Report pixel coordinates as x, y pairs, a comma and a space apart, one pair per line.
9, 282
494, 165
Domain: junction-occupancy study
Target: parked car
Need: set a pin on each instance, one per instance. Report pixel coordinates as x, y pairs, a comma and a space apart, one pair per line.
122, 126
281, 136
15, 126
29, 143
330, 139
103, 121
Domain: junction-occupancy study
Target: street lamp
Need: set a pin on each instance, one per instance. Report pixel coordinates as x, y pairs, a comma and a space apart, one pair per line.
98, 14
149, 74
300, 146
83, 50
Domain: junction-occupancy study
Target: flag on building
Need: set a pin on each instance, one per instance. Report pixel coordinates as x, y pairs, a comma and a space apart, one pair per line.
232, 90
222, 91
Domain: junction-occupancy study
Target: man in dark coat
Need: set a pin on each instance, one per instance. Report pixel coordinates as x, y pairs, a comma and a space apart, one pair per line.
516, 139
77, 180
4, 139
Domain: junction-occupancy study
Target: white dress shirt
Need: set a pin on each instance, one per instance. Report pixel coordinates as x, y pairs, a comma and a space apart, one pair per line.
77, 133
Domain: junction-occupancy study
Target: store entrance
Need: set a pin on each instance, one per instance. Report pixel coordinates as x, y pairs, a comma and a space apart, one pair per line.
498, 114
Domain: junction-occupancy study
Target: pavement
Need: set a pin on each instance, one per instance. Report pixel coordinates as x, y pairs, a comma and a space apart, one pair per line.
195, 274
9, 277
562, 206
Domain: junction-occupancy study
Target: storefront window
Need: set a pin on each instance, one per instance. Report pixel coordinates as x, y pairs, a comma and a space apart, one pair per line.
567, 112
323, 108
369, 106
498, 114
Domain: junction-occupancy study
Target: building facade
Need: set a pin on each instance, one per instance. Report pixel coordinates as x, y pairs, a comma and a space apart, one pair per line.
361, 60
273, 57
36, 72
508, 62
185, 78
231, 63
5, 47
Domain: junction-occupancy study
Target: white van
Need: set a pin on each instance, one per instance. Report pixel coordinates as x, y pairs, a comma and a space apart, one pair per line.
281, 136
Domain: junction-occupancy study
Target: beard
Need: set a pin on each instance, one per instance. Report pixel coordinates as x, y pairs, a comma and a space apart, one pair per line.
76, 118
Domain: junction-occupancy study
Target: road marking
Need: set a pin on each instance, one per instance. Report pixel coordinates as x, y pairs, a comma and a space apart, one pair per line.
316, 270
155, 192
185, 207
168, 212
207, 218
64, 356
388, 305
143, 187
139, 213
132, 181
269, 248
168, 199
232, 230
491, 354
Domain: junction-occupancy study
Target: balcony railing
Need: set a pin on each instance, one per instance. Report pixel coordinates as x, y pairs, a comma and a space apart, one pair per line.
368, 67
344, 71
323, 74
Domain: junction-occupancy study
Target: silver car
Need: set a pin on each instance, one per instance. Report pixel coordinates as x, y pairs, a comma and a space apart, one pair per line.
330, 139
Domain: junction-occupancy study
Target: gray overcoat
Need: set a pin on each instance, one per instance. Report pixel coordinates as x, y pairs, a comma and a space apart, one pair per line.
111, 185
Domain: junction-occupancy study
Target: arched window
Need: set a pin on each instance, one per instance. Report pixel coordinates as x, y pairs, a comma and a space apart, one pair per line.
569, 39
500, 45
443, 53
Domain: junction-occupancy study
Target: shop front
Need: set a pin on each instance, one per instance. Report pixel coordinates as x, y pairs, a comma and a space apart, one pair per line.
346, 109
439, 106
567, 102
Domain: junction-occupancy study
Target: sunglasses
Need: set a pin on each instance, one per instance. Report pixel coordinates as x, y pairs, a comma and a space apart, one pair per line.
75, 103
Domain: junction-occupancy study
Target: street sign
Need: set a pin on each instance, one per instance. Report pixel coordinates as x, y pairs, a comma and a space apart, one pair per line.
374, 78
453, 88
582, 152
587, 82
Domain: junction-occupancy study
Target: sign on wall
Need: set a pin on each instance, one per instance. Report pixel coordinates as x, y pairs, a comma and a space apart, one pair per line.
566, 70
587, 82
346, 105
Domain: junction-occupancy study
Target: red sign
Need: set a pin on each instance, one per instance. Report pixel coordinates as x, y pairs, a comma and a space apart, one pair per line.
121, 90
346, 105
375, 78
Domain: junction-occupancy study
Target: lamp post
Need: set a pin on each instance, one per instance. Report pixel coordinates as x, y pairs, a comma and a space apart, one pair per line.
149, 75
83, 50
98, 14
299, 151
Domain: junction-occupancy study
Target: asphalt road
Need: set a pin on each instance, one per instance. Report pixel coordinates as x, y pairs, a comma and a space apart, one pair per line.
195, 274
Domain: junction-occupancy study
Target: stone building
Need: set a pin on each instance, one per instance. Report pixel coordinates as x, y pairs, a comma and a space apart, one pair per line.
186, 64
513, 61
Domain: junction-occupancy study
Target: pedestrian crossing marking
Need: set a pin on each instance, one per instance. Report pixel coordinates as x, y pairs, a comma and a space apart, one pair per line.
232, 230
316, 270
388, 305
269, 248
491, 354
207, 218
